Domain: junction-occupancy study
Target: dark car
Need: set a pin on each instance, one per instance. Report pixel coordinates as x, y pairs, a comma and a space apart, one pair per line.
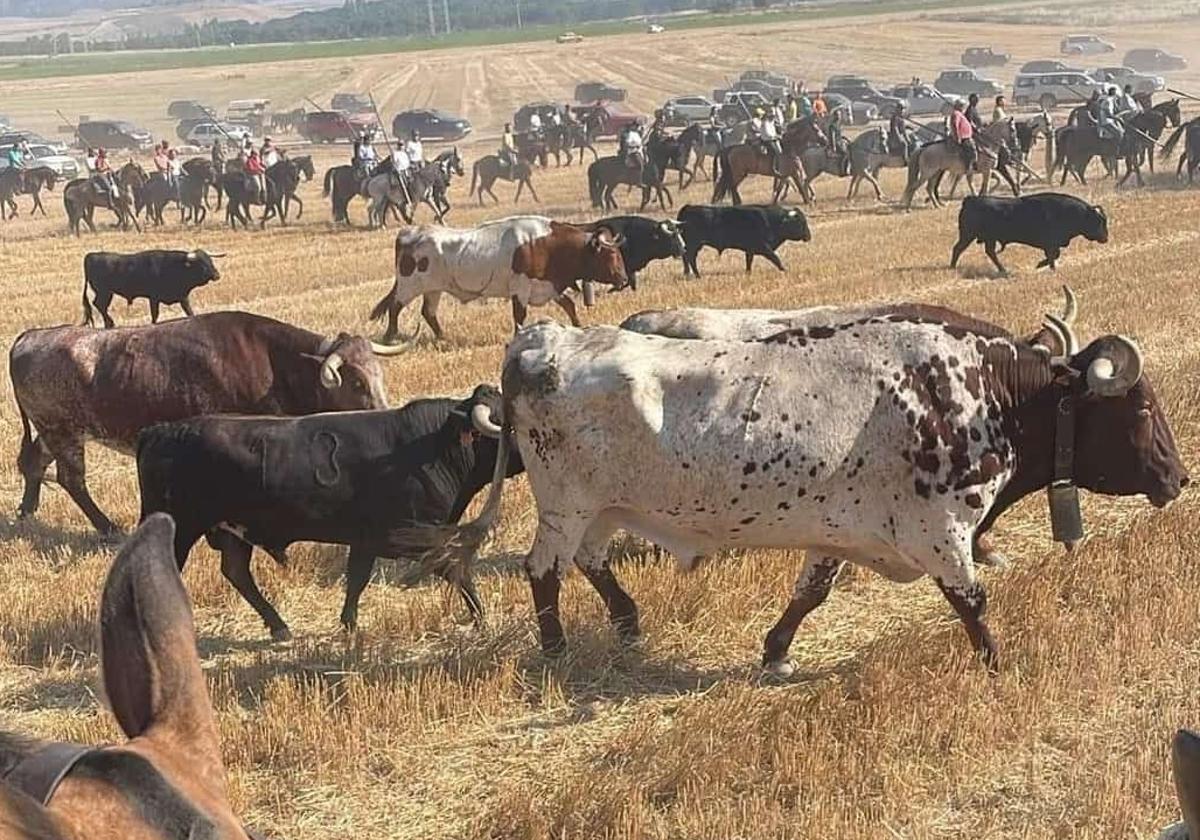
520, 120
596, 91
433, 125
331, 126
1149, 58
113, 134
984, 57
858, 89
189, 109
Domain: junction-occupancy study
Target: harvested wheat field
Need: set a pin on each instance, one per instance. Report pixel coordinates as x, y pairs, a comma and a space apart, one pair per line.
420, 726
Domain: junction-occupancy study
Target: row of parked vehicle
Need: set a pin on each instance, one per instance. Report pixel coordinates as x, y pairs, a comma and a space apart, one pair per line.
1144, 59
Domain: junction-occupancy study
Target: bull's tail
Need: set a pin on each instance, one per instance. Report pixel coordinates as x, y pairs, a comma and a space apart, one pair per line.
381, 308
1168, 148
474, 178
87, 307
328, 185
450, 550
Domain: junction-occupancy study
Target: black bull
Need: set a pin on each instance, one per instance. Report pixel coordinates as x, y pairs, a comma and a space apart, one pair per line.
345, 479
159, 276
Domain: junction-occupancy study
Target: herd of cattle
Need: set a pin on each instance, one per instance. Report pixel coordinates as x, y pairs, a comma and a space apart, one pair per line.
890, 436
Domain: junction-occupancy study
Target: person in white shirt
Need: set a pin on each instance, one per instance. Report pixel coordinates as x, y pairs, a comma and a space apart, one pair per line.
90, 161
269, 153
535, 123
770, 141
414, 149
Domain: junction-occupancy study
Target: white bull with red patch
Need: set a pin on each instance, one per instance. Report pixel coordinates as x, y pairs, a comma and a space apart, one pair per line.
885, 441
529, 260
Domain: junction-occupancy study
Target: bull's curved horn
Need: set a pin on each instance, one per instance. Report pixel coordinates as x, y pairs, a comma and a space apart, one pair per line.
330, 376
216, 254
1063, 329
390, 349
1056, 333
1070, 305
481, 419
1117, 369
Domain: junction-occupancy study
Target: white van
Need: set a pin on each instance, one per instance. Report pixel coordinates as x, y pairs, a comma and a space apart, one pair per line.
1050, 90
1084, 45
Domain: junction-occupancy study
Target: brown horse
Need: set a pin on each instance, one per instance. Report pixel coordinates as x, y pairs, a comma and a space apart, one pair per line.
81, 197
488, 169
28, 181
736, 163
166, 778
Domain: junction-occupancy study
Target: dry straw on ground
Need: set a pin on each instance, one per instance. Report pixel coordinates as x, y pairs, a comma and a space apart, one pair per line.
419, 727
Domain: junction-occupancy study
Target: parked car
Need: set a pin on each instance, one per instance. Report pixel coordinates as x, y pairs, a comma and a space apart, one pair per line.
1149, 58
569, 38
184, 109
769, 84
351, 103
963, 81
1052, 89
432, 123
1048, 65
520, 120
1121, 76
1084, 45
858, 89
738, 105
684, 109
251, 112
614, 118
599, 91
922, 99
113, 134
10, 138
860, 113
984, 57
331, 126
205, 133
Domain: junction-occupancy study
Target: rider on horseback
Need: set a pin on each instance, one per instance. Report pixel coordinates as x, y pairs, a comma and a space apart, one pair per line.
535, 125
631, 147
17, 154
962, 134
1128, 104
897, 135
255, 169
414, 149
102, 180
366, 158
972, 112
1109, 125
508, 149
218, 159
763, 130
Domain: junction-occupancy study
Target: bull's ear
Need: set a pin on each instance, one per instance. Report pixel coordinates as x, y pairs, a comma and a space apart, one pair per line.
148, 651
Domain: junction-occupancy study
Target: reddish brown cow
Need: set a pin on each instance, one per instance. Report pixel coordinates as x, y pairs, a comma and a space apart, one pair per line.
76, 383
528, 259
168, 779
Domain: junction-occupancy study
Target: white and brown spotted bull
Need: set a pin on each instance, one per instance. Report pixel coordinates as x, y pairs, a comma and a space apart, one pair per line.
529, 260
167, 780
886, 441
73, 384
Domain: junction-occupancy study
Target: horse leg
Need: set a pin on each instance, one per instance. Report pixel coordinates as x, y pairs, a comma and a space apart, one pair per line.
533, 192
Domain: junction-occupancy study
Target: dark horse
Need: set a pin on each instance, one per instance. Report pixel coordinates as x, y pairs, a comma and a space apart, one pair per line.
562, 139
1078, 144
201, 169
154, 195
1191, 148
607, 173
242, 192
735, 163
669, 152
81, 197
27, 181
344, 183
488, 169
286, 174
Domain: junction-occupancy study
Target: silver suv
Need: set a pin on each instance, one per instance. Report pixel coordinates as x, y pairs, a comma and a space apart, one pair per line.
1121, 76
1052, 89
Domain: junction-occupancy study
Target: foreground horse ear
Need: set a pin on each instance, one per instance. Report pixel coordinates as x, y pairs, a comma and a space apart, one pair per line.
148, 648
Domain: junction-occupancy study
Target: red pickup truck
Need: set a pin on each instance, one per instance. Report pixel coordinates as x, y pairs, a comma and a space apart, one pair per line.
614, 118
331, 126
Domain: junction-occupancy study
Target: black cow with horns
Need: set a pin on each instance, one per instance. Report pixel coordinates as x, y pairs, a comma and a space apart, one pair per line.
159, 276
357, 479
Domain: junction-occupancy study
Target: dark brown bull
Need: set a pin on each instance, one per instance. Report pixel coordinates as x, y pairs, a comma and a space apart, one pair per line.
168, 779
75, 383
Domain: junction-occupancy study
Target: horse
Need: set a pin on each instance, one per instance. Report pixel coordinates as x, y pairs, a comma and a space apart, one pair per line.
242, 192
154, 195
488, 169
713, 139
927, 164
201, 169
286, 121
674, 152
1078, 144
736, 163
607, 173
193, 191
868, 153
820, 160
562, 139
1040, 125
533, 148
80, 198
286, 174
1191, 148
343, 183
1147, 127
1002, 139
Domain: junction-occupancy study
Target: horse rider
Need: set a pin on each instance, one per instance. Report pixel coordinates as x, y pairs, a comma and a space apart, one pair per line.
162, 165
833, 130
1109, 125
89, 161
103, 180
16, 155
535, 124
767, 134
218, 159
998, 112
255, 169
631, 144
1092, 109
897, 134
962, 134
247, 145
1128, 104
819, 107
805, 107
366, 158
268, 153
174, 172
972, 112
414, 148
777, 115
508, 149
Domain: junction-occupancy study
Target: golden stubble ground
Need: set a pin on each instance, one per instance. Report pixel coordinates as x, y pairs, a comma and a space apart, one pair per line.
422, 727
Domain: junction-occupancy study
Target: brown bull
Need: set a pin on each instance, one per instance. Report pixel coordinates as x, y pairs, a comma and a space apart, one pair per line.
167, 780
76, 383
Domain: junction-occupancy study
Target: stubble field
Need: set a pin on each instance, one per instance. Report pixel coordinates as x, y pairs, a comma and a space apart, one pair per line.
421, 727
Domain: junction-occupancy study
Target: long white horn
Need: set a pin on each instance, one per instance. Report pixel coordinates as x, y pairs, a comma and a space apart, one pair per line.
1117, 369
330, 376
481, 418
1070, 342
390, 349
1070, 305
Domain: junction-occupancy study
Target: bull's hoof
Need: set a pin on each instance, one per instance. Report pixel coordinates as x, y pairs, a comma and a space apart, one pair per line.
631, 640
281, 634
782, 669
